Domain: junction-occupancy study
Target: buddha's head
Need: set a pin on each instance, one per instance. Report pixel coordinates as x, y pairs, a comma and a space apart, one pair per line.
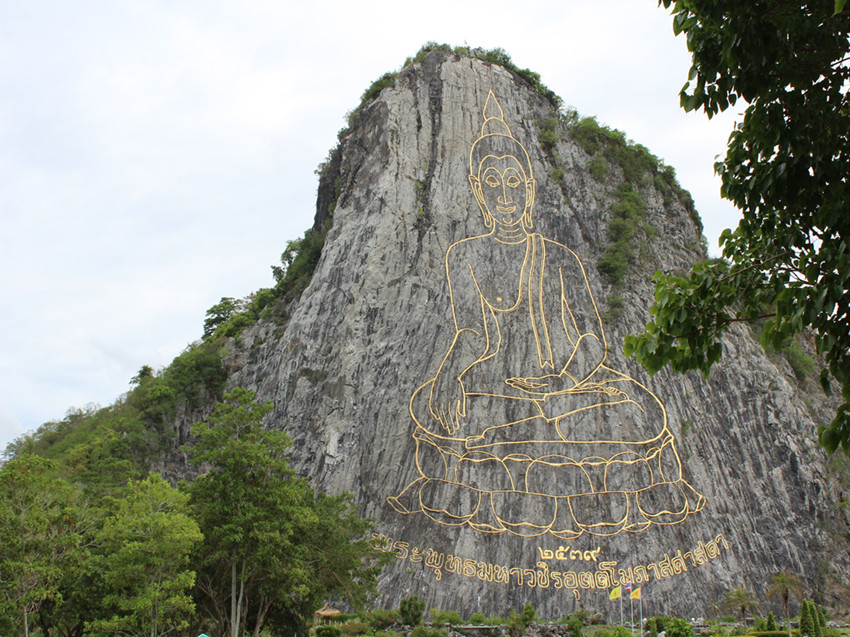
500, 172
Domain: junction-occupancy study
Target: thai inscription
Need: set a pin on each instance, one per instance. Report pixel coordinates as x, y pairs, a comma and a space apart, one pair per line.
564, 553
605, 575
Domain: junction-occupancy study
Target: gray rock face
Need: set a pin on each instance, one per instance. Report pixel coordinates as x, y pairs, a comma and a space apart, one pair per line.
449, 367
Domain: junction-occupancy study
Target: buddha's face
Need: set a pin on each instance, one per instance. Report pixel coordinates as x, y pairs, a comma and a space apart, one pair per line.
502, 189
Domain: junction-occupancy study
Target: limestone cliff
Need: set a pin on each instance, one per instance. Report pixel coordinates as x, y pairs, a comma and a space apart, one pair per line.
549, 491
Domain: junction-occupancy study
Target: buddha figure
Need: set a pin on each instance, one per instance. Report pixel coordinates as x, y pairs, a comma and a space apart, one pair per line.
524, 428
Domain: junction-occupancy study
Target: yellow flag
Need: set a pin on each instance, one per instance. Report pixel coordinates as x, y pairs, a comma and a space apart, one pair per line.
635, 593
615, 593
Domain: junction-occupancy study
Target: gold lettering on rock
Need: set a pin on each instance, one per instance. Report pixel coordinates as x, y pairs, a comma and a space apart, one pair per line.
606, 575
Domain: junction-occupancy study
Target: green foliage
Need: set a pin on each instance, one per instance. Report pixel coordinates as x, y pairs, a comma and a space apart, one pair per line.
649, 626
549, 133
218, 314
354, 628
299, 262
817, 620
784, 585
785, 169
387, 80
574, 625
492, 56
328, 630
742, 601
425, 631
411, 609
598, 168
807, 622
266, 533
626, 228
677, 627
381, 618
614, 305
146, 542
441, 617
770, 624
621, 631
36, 536
477, 619
610, 145
657, 624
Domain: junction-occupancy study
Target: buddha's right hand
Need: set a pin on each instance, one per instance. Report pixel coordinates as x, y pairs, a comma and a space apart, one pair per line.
448, 402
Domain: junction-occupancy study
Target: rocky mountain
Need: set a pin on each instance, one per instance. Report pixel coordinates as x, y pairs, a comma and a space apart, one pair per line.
456, 363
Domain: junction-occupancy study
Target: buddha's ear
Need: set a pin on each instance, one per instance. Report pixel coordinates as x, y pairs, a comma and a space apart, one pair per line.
479, 197
530, 191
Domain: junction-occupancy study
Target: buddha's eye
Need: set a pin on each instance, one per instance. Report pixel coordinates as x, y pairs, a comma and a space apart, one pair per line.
492, 181
513, 181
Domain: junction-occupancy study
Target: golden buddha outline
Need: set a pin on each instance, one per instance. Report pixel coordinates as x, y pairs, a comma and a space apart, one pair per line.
498, 428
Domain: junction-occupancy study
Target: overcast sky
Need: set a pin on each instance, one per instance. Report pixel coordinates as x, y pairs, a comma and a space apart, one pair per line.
156, 156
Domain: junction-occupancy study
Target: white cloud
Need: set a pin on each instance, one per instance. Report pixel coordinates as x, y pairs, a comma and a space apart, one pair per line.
156, 156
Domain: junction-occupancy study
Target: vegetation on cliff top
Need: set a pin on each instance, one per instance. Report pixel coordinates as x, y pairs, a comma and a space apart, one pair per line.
786, 170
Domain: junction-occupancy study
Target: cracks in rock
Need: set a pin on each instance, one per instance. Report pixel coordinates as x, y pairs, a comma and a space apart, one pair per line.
424, 220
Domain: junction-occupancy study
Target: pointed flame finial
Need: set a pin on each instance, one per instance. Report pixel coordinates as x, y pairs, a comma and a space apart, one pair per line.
494, 118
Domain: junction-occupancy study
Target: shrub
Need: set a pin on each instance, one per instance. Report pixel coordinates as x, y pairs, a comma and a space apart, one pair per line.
801, 363
548, 133
625, 228
678, 628
598, 168
411, 609
381, 618
574, 625
387, 80
441, 617
770, 624
355, 628
424, 631
328, 630
477, 619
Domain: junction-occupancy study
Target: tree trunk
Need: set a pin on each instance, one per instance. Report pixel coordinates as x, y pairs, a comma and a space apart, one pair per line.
237, 621
261, 615
234, 624
787, 614
26, 625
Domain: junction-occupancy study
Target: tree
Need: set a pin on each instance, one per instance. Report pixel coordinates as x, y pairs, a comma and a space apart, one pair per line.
771, 624
220, 313
146, 544
807, 622
786, 170
783, 586
272, 548
739, 600
35, 537
411, 609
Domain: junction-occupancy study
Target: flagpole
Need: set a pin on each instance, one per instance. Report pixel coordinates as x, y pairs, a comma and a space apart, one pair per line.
632, 614
641, 614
